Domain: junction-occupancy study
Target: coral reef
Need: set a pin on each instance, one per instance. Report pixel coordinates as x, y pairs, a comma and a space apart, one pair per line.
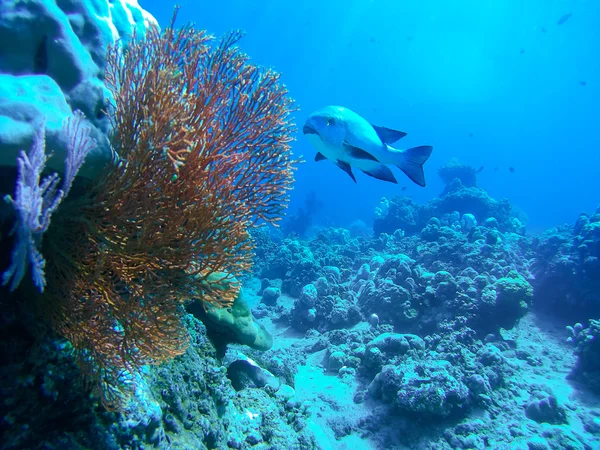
396, 340
432, 308
399, 213
587, 367
457, 201
479, 274
423, 388
453, 169
184, 403
148, 235
567, 269
300, 221
233, 324
543, 407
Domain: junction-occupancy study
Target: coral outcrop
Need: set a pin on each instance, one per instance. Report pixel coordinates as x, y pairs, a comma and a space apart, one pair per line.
566, 266
52, 62
401, 213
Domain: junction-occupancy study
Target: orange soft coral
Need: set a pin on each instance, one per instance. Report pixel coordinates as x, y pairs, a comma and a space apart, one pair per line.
204, 140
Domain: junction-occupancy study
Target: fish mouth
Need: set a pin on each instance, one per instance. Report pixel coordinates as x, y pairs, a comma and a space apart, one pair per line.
307, 129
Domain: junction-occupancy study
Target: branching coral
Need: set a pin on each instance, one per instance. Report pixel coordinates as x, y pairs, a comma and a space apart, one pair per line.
204, 141
36, 199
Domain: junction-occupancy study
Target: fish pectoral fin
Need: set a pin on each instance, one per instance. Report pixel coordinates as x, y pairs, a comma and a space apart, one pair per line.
381, 172
387, 135
346, 168
319, 157
358, 153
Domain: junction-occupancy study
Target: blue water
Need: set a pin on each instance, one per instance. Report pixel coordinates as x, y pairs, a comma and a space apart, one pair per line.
441, 325
495, 84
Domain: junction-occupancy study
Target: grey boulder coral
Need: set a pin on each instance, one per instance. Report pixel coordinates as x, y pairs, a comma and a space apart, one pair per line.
52, 59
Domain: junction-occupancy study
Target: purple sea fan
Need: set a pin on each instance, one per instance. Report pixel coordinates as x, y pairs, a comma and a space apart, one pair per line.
35, 200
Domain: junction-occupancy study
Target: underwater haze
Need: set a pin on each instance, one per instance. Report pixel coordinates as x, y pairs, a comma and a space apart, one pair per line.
173, 275
494, 84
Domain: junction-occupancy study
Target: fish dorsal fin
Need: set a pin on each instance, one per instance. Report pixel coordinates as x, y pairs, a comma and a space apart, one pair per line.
346, 168
387, 135
359, 153
319, 157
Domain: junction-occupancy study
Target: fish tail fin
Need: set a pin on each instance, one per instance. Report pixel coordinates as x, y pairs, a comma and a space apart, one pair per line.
412, 162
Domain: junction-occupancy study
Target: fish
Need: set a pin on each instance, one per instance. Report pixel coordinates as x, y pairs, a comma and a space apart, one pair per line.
403, 188
544, 30
583, 83
512, 169
563, 19
480, 169
349, 140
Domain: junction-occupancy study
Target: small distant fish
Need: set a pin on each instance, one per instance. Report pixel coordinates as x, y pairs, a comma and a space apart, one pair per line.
470, 135
408, 38
480, 169
372, 40
583, 83
403, 188
544, 30
563, 19
374, 320
346, 138
512, 169
495, 169
522, 51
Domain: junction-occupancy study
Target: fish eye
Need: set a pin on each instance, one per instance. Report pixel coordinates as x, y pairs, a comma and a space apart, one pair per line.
330, 121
